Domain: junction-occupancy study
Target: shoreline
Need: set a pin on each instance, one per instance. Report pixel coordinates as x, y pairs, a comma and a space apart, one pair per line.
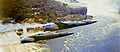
39, 42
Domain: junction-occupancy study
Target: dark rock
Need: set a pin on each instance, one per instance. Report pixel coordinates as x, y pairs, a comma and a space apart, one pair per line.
81, 10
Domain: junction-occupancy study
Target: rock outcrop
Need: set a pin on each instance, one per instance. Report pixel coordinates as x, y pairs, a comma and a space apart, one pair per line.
75, 17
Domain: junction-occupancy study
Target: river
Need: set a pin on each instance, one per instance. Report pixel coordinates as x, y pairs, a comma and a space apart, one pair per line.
103, 36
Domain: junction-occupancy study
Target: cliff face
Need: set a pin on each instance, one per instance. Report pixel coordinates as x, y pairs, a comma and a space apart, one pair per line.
42, 9
19, 10
59, 8
75, 6
49, 8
